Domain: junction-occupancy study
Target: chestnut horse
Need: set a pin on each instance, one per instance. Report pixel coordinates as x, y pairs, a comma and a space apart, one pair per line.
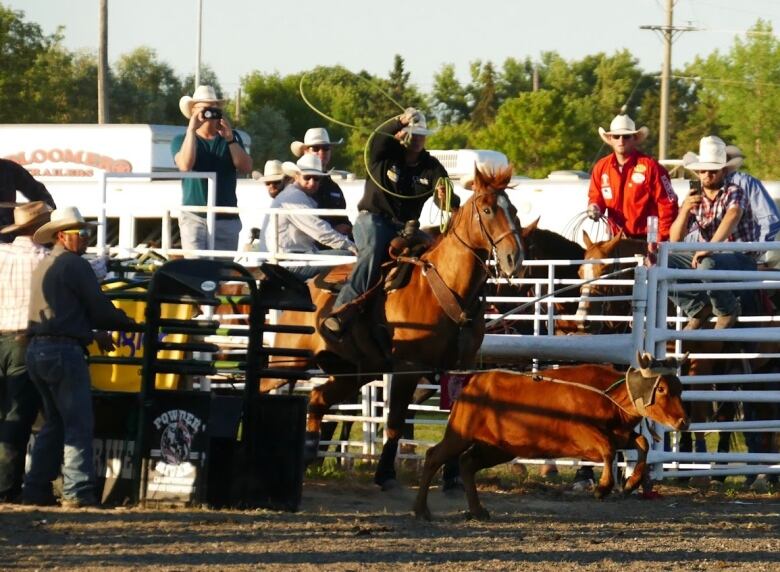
422, 336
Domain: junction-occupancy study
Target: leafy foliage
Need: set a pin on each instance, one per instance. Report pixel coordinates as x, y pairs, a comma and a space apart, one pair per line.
542, 113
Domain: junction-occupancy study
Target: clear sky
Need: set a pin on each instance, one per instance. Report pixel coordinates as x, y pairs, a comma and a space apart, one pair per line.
241, 36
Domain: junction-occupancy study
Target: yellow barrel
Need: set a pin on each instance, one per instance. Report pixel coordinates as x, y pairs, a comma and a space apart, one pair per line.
127, 378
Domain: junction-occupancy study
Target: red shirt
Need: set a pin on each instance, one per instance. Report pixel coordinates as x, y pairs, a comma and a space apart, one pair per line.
629, 196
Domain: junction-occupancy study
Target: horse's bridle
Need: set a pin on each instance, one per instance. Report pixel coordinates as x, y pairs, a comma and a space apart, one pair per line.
492, 241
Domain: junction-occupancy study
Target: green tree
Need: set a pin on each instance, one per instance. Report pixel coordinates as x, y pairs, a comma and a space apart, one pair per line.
144, 90
449, 99
483, 92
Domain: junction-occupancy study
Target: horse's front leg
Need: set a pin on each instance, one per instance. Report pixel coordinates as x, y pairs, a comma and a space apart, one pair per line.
335, 390
401, 392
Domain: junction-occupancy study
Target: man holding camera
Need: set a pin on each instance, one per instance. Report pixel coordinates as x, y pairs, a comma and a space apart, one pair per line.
209, 145
718, 212
629, 186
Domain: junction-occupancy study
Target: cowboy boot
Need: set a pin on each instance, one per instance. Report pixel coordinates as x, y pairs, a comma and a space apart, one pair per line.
333, 327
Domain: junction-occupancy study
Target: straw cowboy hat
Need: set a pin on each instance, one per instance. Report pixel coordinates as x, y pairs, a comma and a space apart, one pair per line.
623, 125
204, 94
28, 215
272, 172
306, 165
312, 137
713, 155
66, 218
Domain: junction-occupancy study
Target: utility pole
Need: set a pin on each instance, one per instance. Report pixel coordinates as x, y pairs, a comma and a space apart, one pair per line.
199, 19
103, 64
668, 33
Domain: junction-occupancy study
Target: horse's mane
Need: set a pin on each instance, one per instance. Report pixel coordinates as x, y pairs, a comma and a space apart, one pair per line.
489, 177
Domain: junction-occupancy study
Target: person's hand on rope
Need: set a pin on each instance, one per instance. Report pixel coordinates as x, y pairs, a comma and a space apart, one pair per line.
410, 115
594, 212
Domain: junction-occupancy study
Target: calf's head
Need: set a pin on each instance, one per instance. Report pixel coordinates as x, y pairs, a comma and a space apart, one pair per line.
656, 392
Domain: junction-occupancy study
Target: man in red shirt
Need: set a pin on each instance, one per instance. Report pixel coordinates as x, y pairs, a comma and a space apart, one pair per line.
629, 186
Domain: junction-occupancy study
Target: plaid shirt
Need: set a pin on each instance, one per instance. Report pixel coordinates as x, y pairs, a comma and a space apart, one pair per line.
17, 262
708, 216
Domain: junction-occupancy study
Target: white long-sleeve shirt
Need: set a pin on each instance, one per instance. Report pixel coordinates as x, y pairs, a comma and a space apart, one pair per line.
301, 232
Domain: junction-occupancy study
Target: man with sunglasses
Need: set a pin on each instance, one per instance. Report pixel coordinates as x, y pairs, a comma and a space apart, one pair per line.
66, 305
721, 212
209, 145
628, 186
300, 232
316, 141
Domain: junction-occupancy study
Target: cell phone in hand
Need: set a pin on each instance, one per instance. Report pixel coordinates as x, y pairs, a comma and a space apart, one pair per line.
695, 187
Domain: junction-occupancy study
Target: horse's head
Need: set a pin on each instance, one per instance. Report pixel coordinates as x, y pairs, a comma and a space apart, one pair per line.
588, 271
488, 221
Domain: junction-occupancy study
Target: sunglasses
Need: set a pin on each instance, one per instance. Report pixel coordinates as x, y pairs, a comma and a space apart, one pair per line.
622, 136
318, 148
310, 178
83, 232
708, 171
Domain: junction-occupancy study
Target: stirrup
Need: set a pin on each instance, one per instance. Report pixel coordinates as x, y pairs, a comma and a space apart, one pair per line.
332, 328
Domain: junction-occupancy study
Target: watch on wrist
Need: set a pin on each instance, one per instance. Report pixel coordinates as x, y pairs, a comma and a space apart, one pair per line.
232, 141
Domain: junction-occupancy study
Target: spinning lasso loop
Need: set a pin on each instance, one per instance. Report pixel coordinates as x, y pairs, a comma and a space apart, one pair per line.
445, 181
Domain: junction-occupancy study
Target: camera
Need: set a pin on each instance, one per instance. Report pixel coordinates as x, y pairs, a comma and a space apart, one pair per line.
694, 187
212, 113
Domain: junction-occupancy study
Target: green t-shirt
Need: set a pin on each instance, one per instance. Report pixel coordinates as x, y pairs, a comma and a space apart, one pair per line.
211, 155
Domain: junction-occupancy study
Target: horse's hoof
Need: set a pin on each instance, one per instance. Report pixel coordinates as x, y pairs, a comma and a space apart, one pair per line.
479, 514
311, 445
389, 485
600, 492
423, 514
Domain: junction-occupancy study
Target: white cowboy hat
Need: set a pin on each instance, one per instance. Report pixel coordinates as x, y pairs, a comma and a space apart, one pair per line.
312, 137
27, 215
712, 156
66, 218
272, 172
623, 125
307, 165
485, 167
203, 94
419, 126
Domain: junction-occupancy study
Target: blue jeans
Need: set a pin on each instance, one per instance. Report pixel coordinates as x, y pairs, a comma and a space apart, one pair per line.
306, 272
59, 371
195, 234
19, 405
723, 301
373, 234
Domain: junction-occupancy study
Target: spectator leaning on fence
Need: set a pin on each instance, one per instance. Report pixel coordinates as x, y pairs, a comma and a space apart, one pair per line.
721, 212
765, 211
209, 145
66, 304
19, 400
316, 141
300, 232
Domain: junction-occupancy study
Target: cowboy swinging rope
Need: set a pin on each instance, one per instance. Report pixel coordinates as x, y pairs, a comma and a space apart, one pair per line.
444, 182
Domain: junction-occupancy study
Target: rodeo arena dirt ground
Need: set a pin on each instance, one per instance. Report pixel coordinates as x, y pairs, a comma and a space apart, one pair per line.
346, 523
